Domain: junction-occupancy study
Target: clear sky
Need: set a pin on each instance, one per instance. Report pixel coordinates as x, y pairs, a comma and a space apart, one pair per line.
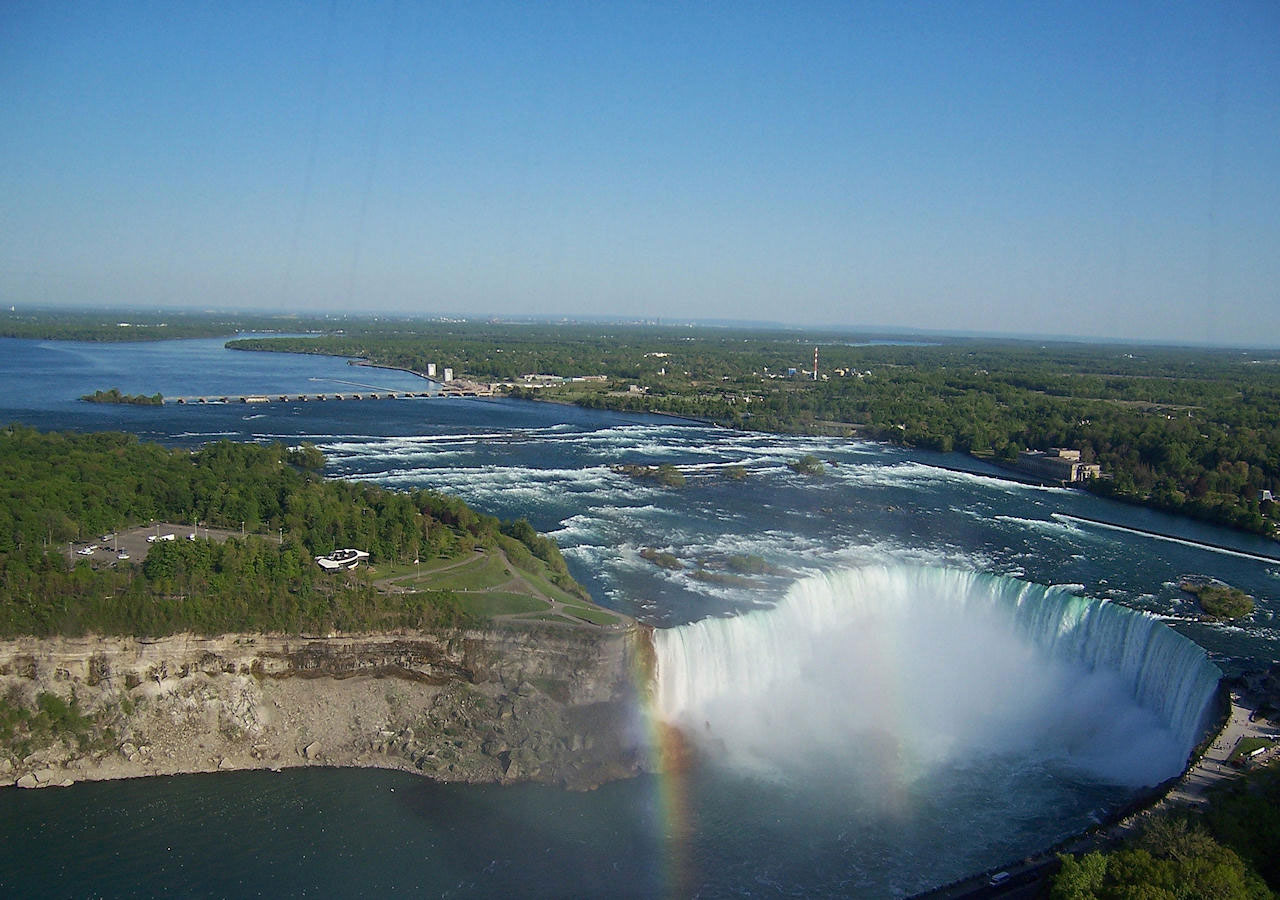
1094, 169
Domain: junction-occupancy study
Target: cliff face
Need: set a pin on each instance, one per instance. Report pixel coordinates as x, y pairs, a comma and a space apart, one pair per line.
554, 705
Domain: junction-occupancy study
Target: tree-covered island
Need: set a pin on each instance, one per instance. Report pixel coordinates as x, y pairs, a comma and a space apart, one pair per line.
1218, 600
115, 396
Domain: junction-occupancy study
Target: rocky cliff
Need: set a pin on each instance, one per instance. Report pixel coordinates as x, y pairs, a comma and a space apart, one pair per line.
548, 704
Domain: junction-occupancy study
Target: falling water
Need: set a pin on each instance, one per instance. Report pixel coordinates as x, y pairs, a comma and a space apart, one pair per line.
892, 672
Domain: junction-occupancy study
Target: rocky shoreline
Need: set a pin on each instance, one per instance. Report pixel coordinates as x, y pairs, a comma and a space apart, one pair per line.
499, 705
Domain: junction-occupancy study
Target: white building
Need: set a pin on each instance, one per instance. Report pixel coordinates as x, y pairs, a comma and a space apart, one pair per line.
448, 375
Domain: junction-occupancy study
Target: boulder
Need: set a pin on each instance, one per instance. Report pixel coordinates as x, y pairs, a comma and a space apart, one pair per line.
28, 781
312, 750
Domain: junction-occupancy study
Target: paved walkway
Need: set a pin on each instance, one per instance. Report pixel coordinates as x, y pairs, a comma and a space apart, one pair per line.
1213, 767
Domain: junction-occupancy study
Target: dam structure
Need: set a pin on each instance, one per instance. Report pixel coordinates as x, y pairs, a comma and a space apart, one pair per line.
296, 397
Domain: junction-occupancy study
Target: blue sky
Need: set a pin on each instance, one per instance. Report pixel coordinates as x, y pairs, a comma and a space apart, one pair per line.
1054, 168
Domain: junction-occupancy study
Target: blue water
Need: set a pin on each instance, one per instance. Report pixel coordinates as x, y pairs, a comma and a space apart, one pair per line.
748, 830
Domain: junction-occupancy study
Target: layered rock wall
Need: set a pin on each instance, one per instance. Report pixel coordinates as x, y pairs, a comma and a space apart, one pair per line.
546, 704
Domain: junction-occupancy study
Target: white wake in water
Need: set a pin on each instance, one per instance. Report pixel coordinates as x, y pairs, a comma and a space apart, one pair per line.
885, 675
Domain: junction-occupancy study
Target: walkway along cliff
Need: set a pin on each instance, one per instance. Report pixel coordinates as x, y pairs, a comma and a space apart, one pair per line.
520, 702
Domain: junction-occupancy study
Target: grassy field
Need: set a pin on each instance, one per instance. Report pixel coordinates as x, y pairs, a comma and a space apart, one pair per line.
486, 584
1247, 746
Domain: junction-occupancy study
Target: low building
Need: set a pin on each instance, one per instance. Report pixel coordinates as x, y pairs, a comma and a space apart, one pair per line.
1057, 465
341, 559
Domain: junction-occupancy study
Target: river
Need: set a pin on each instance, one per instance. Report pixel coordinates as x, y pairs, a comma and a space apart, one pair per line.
907, 799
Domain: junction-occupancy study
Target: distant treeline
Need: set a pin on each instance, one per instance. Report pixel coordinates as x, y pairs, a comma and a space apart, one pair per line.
1193, 431
148, 325
56, 488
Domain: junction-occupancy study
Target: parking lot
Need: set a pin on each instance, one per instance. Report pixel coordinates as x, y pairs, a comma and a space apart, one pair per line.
133, 543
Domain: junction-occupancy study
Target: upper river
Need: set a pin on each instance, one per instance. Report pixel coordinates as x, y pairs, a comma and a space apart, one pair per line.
909, 798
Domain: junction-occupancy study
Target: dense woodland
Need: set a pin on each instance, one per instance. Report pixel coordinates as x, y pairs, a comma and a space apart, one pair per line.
1194, 431
57, 488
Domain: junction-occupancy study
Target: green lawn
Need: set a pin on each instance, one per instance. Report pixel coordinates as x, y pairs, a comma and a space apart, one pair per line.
550, 617
500, 603
593, 615
551, 590
482, 572
426, 567
1248, 745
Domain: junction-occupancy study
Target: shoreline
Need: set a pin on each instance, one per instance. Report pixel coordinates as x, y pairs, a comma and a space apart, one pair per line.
1206, 769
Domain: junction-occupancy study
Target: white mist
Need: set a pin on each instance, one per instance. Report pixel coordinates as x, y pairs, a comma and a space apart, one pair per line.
877, 677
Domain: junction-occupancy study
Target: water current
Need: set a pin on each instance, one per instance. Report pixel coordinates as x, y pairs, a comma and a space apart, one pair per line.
979, 701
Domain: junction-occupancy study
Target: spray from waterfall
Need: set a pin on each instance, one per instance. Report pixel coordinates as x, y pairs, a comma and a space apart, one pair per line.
883, 675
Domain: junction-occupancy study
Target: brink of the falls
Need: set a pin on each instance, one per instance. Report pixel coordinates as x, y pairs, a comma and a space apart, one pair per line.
879, 676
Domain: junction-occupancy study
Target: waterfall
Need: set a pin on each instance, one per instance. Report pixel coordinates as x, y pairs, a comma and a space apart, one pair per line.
931, 664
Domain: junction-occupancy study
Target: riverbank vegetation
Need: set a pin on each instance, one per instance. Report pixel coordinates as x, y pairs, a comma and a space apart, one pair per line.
1231, 851
1192, 431
59, 488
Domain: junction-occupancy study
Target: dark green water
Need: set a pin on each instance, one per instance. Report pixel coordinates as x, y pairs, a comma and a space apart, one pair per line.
327, 833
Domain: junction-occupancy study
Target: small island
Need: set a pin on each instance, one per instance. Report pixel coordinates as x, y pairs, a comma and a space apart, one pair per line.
1219, 601
807, 465
666, 474
115, 396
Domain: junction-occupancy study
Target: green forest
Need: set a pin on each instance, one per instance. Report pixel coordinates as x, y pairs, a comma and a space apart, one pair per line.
1193, 431
1230, 850
60, 487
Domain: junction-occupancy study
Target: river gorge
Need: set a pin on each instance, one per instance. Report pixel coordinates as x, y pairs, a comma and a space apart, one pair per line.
930, 671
